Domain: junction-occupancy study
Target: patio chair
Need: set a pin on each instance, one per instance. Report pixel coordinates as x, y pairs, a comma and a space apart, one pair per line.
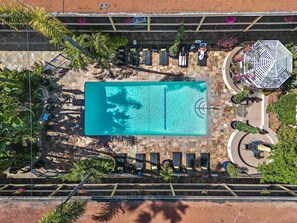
163, 57
177, 161
140, 159
190, 163
155, 162
121, 161
41, 172
183, 58
134, 57
205, 161
57, 64
121, 56
147, 56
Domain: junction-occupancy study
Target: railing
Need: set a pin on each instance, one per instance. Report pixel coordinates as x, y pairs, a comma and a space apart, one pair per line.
162, 191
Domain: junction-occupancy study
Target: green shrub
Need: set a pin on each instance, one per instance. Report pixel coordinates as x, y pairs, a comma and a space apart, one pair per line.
232, 170
283, 169
240, 126
241, 95
173, 50
287, 133
285, 108
167, 172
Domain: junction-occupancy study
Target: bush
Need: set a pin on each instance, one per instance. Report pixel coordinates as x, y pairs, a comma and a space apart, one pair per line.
173, 50
285, 108
240, 96
283, 168
232, 170
240, 126
287, 133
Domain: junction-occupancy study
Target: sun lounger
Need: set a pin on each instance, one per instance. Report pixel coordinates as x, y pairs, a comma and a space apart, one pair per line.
147, 56
57, 64
205, 161
163, 56
134, 57
183, 58
190, 163
177, 161
140, 159
121, 161
155, 162
121, 56
202, 57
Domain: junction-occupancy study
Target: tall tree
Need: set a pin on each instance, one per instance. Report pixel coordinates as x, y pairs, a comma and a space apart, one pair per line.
283, 168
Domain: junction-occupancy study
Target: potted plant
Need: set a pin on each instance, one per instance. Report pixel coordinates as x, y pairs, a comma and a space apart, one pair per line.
173, 50
237, 99
243, 127
167, 171
249, 65
232, 170
235, 69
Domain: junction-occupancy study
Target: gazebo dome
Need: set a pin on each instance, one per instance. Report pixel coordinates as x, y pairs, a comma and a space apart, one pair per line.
268, 64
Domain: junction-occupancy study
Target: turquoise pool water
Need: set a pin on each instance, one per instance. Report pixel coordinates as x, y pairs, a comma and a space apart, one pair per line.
146, 108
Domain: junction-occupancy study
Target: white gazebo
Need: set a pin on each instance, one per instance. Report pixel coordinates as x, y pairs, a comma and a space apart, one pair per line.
268, 64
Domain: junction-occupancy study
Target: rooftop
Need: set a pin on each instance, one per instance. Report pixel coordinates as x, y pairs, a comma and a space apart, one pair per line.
165, 6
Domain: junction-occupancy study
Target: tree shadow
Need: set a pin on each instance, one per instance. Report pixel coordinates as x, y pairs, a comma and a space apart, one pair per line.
171, 212
109, 211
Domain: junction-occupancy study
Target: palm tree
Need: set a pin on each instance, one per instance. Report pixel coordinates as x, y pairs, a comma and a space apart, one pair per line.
101, 48
96, 167
65, 213
167, 172
18, 16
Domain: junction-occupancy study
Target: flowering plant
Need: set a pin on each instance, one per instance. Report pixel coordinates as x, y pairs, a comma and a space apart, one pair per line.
228, 44
230, 20
82, 191
289, 19
82, 21
20, 190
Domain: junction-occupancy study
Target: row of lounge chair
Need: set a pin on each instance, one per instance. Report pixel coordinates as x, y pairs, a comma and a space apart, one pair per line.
140, 164
135, 59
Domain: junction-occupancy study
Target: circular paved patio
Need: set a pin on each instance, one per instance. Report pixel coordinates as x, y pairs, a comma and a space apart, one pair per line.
245, 158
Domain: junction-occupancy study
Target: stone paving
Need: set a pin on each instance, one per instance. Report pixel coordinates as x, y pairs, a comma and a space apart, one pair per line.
65, 127
73, 85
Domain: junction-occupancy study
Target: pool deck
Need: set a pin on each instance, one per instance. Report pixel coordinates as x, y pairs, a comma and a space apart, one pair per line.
70, 144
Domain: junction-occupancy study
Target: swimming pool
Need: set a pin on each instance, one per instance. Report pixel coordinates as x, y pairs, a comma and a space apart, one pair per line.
146, 108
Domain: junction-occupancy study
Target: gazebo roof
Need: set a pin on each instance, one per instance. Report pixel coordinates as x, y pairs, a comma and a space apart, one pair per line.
268, 64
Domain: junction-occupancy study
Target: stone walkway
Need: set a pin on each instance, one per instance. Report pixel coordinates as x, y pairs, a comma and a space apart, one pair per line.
67, 142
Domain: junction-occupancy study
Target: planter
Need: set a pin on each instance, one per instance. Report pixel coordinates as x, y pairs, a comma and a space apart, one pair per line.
169, 161
225, 164
233, 124
173, 56
232, 99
